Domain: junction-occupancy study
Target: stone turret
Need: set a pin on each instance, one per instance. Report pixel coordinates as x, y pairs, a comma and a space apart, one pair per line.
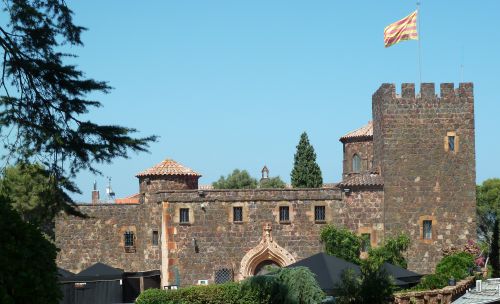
167, 175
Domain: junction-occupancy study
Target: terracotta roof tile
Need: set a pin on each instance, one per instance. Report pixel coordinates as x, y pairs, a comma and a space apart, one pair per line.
363, 180
132, 199
363, 132
168, 167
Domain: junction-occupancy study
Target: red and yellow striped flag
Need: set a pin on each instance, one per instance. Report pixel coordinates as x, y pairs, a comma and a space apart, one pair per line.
404, 29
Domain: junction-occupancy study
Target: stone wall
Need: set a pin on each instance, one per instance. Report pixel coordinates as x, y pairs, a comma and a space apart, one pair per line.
220, 243
363, 148
99, 238
422, 180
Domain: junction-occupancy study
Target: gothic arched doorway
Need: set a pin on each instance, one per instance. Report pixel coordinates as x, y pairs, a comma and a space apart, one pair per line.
265, 267
267, 252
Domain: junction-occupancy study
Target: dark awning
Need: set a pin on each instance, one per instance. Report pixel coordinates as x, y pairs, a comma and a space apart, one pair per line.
96, 272
327, 268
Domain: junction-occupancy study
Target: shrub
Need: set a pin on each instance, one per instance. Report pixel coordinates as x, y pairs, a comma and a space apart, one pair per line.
455, 266
342, 243
28, 271
301, 285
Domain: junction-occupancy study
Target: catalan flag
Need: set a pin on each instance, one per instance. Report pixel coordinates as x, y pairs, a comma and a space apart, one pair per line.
404, 29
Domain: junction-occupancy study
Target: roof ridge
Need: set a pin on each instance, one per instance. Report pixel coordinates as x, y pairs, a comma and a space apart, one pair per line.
168, 167
364, 131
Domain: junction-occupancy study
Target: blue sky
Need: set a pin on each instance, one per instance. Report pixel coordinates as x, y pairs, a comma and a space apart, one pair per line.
233, 84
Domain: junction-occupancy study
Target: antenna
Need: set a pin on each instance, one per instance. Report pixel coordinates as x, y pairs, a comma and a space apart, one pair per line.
109, 191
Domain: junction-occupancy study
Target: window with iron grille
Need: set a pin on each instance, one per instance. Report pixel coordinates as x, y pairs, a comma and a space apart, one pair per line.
129, 239
223, 275
319, 213
184, 215
365, 242
154, 240
284, 214
238, 214
427, 230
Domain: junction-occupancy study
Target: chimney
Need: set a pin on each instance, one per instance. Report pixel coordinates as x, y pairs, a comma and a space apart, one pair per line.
95, 195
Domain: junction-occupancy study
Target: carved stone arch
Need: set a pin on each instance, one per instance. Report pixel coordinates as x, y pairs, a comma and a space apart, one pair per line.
267, 249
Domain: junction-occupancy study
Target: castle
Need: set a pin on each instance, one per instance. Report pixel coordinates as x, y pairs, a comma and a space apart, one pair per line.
410, 170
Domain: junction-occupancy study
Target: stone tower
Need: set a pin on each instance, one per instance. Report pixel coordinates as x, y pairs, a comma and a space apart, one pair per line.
424, 148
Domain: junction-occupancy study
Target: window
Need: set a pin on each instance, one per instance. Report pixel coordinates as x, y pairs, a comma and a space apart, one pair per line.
319, 213
356, 163
129, 241
184, 215
365, 242
284, 214
237, 214
451, 143
223, 275
427, 230
154, 240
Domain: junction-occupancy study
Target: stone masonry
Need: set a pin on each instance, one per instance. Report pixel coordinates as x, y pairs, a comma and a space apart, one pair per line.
408, 175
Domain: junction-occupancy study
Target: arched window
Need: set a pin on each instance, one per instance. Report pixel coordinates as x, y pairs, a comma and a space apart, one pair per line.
356, 163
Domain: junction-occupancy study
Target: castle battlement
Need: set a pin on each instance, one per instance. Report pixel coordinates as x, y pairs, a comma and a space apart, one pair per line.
447, 92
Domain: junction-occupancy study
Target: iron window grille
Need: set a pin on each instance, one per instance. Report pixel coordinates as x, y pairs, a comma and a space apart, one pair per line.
223, 275
365, 242
155, 238
284, 214
319, 213
427, 230
237, 214
129, 241
184, 215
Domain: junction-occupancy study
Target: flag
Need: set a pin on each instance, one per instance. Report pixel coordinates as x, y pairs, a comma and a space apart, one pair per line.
404, 29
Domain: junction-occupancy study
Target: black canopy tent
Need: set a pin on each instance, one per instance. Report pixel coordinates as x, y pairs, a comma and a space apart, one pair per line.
328, 270
99, 283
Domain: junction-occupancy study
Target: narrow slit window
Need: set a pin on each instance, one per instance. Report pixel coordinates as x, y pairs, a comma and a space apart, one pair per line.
237, 214
284, 214
154, 239
365, 242
184, 215
451, 143
427, 230
319, 213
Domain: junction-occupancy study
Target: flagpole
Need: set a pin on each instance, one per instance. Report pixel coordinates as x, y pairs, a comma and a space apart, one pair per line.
419, 44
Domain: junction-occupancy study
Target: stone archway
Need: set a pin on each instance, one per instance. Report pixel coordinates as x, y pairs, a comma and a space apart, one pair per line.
266, 250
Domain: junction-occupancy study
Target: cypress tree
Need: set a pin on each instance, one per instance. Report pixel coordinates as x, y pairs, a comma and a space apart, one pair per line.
306, 172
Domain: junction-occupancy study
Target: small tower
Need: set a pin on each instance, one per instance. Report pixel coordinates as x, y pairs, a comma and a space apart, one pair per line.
167, 175
265, 173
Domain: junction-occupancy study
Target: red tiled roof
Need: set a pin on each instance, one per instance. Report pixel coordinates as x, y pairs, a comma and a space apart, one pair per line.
361, 133
362, 180
168, 167
132, 199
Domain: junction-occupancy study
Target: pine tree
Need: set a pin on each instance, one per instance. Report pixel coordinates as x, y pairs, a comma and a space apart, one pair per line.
306, 172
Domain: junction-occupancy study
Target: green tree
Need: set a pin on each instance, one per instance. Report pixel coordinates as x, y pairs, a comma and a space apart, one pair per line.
236, 180
391, 252
342, 243
43, 99
372, 286
301, 285
272, 182
306, 172
488, 207
28, 272
29, 188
